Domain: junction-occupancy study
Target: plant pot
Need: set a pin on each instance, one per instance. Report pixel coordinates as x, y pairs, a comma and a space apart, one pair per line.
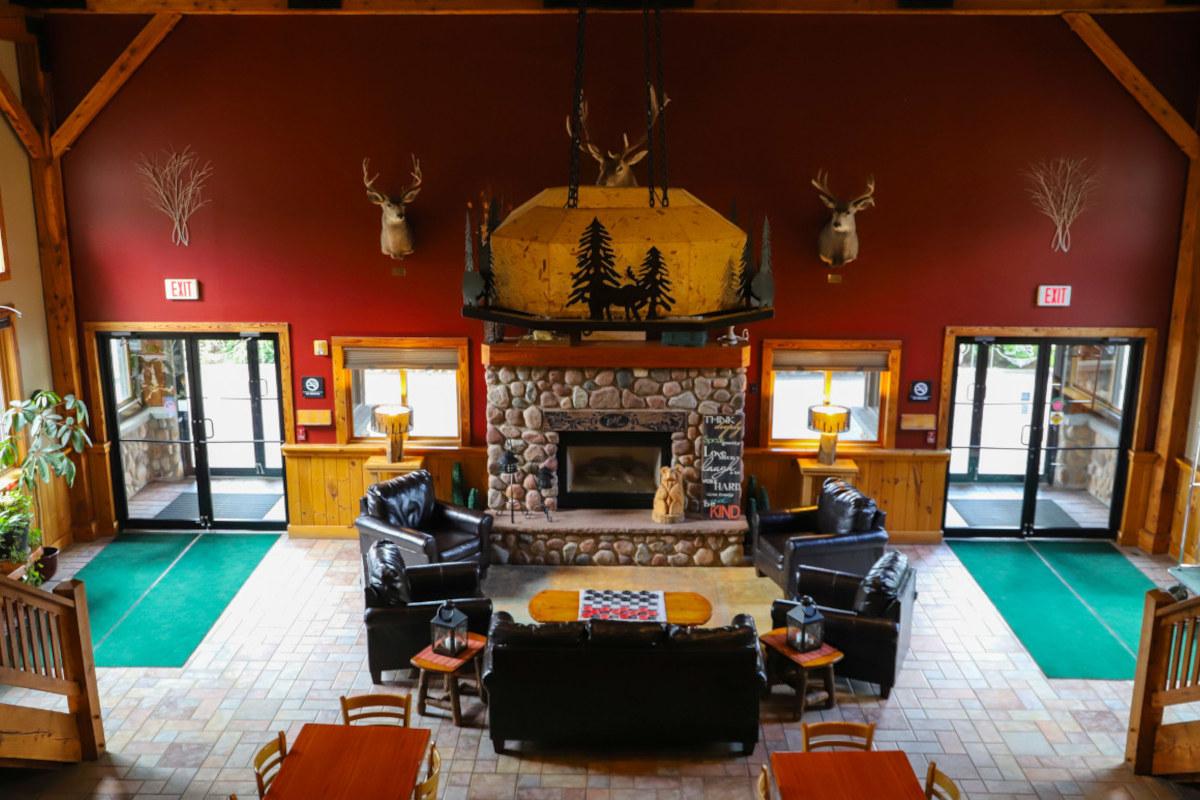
47, 565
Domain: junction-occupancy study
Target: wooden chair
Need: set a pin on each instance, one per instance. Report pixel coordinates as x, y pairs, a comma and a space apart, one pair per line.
938, 785
848, 735
267, 762
377, 709
764, 784
427, 789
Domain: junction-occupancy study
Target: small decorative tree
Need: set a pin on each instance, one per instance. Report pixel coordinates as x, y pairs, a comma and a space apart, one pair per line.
1062, 189
175, 187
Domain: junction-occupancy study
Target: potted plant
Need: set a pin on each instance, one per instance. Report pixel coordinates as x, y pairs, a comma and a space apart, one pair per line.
37, 436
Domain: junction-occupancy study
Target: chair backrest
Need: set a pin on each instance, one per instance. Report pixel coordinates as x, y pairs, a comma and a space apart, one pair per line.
267, 762
764, 784
847, 735
938, 785
427, 789
405, 501
376, 709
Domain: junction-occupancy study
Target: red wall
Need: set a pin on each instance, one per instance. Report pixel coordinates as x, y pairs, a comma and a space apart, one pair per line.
945, 112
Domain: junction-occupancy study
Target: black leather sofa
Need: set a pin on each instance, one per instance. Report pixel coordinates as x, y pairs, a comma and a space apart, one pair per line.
608, 683
405, 511
844, 531
869, 618
401, 600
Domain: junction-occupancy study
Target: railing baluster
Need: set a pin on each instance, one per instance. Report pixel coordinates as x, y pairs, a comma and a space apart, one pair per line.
56, 642
5, 634
1178, 631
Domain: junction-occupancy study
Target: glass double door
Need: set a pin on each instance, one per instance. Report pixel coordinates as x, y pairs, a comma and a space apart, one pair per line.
1039, 435
195, 422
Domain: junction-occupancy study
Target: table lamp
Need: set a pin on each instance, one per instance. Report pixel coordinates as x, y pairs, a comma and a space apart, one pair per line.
394, 422
829, 421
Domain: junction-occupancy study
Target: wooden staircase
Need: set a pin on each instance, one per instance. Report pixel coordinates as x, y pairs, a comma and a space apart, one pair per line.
46, 645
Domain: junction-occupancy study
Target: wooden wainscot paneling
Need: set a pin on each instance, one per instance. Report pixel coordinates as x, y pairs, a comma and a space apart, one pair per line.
324, 484
440, 464
1137, 496
1184, 476
910, 485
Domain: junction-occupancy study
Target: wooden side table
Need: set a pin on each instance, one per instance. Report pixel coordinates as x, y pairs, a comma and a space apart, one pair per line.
378, 468
788, 666
451, 669
813, 474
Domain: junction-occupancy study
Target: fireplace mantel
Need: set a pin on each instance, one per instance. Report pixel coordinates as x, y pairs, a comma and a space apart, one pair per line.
614, 354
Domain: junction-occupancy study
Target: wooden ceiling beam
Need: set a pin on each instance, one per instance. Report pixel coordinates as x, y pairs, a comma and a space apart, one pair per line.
20, 121
1157, 106
969, 7
111, 82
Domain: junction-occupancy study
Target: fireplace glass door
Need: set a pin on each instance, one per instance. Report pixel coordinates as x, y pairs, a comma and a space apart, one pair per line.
611, 469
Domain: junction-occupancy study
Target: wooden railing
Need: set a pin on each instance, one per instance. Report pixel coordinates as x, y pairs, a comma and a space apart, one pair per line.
1168, 673
46, 646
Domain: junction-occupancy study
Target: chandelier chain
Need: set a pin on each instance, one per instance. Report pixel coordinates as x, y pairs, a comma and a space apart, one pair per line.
577, 110
649, 97
664, 201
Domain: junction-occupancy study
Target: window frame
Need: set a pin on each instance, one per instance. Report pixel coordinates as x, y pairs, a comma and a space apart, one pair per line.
10, 376
343, 387
5, 263
889, 389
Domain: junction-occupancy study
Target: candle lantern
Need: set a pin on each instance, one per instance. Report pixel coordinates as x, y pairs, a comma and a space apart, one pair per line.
448, 630
508, 466
805, 626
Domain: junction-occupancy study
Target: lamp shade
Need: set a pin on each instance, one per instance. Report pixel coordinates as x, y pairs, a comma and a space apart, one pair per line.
828, 419
392, 419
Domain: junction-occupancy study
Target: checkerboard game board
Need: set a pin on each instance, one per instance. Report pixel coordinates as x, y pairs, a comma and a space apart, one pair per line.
635, 606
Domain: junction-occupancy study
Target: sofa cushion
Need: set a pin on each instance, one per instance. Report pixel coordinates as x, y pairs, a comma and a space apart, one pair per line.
387, 581
729, 637
405, 501
879, 588
843, 509
622, 633
549, 634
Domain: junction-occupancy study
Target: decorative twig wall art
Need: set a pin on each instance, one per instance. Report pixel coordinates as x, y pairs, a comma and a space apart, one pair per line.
175, 187
1062, 189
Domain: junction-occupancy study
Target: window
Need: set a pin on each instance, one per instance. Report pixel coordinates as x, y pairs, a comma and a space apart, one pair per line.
5, 272
1096, 378
863, 376
10, 367
122, 379
427, 375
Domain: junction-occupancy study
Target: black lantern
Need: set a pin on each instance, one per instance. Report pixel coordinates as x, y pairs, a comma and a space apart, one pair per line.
508, 466
448, 630
805, 626
545, 478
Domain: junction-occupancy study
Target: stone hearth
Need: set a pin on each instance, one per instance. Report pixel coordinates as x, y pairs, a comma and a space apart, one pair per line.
616, 537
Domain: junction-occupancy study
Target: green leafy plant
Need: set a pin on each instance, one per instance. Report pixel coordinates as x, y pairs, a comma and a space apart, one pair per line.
51, 428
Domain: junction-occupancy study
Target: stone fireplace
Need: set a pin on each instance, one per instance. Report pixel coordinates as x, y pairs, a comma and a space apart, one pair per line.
603, 429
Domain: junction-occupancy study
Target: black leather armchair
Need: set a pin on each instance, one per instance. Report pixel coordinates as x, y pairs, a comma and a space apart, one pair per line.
404, 511
844, 532
400, 601
868, 618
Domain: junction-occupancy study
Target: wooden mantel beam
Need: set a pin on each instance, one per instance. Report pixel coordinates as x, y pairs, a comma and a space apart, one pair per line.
1039, 7
112, 80
1157, 106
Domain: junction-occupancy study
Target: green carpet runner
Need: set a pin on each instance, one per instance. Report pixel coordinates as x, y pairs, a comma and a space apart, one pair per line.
152, 597
1076, 606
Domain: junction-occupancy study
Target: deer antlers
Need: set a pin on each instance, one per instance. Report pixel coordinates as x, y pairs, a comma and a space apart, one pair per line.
379, 198
864, 200
614, 167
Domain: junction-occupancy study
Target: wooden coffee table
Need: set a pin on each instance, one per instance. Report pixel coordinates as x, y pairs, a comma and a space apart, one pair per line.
452, 669
555, 605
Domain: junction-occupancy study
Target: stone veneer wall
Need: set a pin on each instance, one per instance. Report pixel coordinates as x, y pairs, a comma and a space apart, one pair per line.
521, 399
144, 462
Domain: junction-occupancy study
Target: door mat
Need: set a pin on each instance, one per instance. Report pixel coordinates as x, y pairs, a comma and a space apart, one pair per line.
152, 597
225, 506
1076, 606
981, 513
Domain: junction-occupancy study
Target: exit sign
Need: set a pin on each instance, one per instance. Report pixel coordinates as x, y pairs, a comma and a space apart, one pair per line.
183, 289
1054, 296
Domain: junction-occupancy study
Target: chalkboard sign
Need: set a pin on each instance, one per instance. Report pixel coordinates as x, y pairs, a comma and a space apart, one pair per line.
721, 471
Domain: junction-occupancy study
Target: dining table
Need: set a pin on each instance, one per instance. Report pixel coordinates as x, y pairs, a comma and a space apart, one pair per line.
846, 775
351, 762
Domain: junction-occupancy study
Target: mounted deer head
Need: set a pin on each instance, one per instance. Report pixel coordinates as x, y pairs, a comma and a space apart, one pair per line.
838, 242
395, 237
616, 168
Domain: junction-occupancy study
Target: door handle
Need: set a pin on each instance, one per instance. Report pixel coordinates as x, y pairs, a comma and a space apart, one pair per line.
264, 388
1025, 429
210, 428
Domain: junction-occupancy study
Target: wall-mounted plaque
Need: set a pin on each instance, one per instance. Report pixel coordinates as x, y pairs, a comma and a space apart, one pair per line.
721, 470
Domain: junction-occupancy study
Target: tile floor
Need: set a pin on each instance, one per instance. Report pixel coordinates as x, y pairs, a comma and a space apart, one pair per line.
292, 642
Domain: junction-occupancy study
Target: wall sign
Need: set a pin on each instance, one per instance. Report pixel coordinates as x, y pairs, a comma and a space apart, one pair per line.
920, 391
722, 466
312, 386
1054, 295
182, 288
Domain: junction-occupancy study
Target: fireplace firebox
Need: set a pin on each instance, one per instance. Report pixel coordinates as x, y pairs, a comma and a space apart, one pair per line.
610, 469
